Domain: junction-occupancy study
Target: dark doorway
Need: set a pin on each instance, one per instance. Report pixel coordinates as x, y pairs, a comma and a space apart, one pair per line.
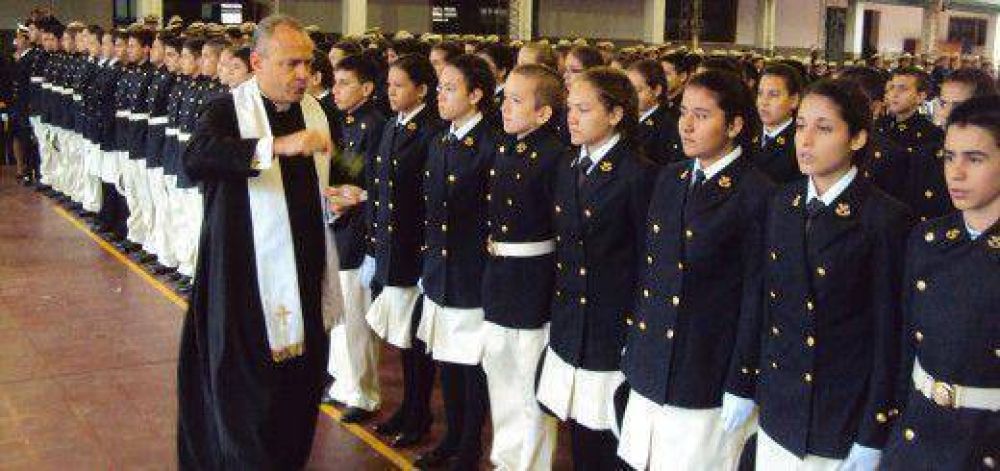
869, 35
718, 20
836, 31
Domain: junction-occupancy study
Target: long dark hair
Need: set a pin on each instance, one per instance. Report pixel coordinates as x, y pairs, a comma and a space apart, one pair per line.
615, 90
735, 100
853, 105
477, 74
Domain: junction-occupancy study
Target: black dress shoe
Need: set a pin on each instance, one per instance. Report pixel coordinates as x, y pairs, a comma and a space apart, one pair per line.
184, 288
391, 427
436, 458
355, 415
175, 276
161, 269
411, 435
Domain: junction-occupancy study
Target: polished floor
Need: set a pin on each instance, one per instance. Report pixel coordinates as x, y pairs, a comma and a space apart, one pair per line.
88, 350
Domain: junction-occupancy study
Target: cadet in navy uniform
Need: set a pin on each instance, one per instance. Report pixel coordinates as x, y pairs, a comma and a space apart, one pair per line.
501, 61
601, 197
519, 277
925, 191
353, 349
397, 237
830, 338
113, 208
777, 98
693, 339
950, 376
657, 131
455, 185
886, 163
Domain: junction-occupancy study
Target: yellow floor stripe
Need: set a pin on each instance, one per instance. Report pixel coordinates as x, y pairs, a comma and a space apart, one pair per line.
396, 458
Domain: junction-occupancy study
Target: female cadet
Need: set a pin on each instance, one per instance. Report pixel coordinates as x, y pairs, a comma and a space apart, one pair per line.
455, 191
699, 290
398, 234
602, 191
830, 339
950, 375
657, 130
777, 97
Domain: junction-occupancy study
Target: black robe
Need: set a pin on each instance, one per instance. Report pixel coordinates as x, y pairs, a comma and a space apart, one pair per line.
238, 409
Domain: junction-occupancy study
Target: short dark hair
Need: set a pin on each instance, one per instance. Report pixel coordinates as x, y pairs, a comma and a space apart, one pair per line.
981, 82
544, 54
679, 61
733, 98
476, 73
652, 73
361, 66
853, 104
350, 48
243, 53
589, 56
143, 36
980, 111
451, 49
791, 77
724, 64
870, 79
549, 88
421, 72
322, 67
194, 45
499, 54
406, 46
923, 80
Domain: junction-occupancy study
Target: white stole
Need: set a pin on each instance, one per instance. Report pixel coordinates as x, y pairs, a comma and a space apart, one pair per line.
277, 277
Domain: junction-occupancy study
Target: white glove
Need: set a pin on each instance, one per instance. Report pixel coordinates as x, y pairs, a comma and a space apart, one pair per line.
367, 271
861, 458
735, 411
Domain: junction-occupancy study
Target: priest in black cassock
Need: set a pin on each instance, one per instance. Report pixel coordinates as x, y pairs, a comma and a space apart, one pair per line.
254, 345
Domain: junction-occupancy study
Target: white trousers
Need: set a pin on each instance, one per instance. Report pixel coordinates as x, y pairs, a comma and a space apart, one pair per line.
90, 178
772, 456
140, 205
354, 351
524, 437
187, 214
664, 437
160, 227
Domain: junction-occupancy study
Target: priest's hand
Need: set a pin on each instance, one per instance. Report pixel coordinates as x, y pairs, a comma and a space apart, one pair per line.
344, 197
303, 143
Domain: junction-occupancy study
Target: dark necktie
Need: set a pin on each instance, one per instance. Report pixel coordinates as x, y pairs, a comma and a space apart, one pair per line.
813, 208
699, 179
765, 141
582, 166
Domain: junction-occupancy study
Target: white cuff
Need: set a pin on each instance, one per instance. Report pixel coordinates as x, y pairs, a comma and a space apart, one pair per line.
264, 155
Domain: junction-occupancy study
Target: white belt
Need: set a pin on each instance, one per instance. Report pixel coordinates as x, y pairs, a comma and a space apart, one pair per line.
183, 136
954, 395
520, 249
171, 132
138, 116
47, 86
157, 120
77, 97
37, 80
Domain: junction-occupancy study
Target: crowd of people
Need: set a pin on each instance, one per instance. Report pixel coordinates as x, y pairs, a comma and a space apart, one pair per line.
684, 260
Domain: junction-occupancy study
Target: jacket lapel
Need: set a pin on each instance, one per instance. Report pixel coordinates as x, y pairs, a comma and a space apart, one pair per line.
840, 217
717, 189
605, 172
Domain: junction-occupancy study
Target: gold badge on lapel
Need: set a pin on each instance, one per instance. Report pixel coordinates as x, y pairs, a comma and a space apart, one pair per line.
469, 142
756, 139
780, 140
411, 126
952, 234
843, 210
797, 200
606, 166
534, 155
521, 147
648, 122
350, 119
684, 175
725, 181
994, 242
902, 127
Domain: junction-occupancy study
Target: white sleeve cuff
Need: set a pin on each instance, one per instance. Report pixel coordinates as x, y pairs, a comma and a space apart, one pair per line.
264, 154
